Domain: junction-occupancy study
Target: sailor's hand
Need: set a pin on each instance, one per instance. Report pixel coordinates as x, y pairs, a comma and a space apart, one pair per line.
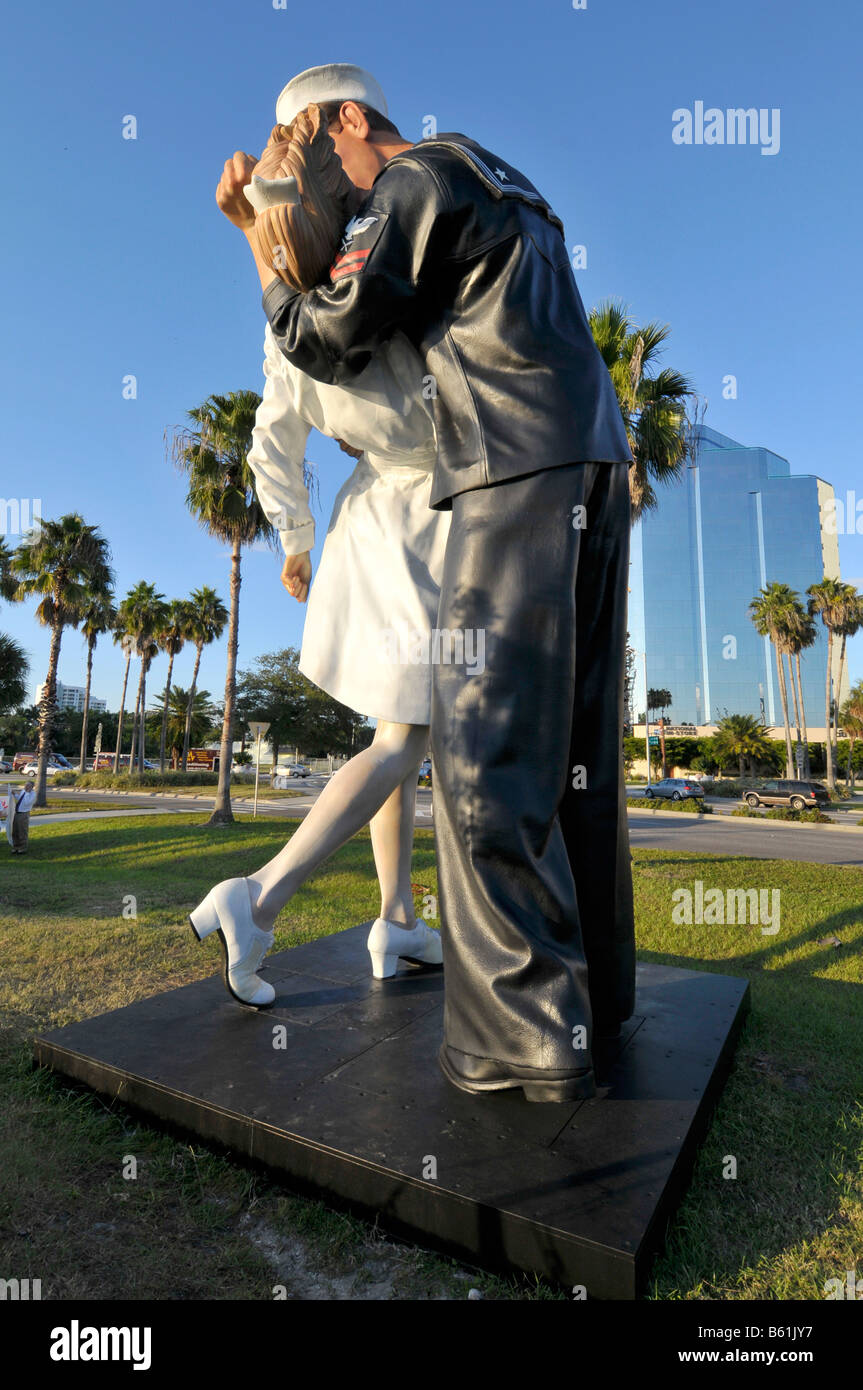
230, 197
297, 575
349, 449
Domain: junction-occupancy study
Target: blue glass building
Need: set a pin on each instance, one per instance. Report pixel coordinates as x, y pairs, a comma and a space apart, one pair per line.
738, 520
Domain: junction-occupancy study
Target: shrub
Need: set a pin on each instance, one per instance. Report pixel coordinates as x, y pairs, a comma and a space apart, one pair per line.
812, 816
133, 781
656, 803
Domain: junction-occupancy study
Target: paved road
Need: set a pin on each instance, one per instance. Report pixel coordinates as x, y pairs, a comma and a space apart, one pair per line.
718, 835
647, 829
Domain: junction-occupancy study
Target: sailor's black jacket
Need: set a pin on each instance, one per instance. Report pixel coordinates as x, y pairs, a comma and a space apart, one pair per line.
458, 250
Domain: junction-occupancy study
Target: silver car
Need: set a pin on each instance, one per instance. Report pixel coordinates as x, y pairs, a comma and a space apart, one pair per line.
675, 789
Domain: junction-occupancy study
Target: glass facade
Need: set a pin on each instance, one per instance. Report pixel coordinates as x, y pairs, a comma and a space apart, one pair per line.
738, 520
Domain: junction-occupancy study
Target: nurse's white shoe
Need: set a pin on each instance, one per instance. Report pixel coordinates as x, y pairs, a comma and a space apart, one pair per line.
227, 909
388, 943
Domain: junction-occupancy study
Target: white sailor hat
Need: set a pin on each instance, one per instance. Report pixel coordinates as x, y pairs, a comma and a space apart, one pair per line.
331, 82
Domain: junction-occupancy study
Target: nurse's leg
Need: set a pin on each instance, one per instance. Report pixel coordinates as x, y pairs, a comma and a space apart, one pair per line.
348, 802
392, 832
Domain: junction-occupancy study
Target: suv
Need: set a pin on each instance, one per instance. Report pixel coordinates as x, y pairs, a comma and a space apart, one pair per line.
675, 789
800, 795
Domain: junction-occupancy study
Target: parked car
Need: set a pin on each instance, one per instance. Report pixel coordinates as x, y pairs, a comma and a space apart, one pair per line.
5, 765
24, 762
425, 774
674, 789
799, 795
55, 762
292, 770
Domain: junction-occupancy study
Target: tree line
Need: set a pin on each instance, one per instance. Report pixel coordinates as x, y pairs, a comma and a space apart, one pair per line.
66, 565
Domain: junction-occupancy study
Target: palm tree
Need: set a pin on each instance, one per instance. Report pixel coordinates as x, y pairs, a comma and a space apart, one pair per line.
830, 599
852, 722
99, 617
851, 625
133, 616
14, 669
792, 623
772, 612
146, 615
653, 405
207, 618
8, 581
124, 639
14, 664
178, 709
147, 648
177, 628
741, 736
63, 561
221, 494
801, 634
659, 699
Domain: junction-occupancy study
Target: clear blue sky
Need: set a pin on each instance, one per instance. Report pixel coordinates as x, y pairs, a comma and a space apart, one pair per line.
116, 259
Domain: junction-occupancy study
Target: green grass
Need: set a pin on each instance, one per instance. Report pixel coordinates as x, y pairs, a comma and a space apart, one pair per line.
791, 1113
196, 1225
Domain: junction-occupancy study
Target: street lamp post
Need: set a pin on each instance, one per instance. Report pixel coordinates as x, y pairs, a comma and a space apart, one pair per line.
258, 730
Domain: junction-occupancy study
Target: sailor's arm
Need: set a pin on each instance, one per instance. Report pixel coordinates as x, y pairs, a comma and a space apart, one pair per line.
379, 284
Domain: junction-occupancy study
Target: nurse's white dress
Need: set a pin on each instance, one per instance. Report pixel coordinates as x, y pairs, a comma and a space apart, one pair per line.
373, 602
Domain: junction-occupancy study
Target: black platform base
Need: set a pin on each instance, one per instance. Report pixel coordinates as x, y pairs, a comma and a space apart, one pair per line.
337, 1089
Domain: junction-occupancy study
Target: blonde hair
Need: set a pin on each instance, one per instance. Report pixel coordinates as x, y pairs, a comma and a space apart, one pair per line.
299, 240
